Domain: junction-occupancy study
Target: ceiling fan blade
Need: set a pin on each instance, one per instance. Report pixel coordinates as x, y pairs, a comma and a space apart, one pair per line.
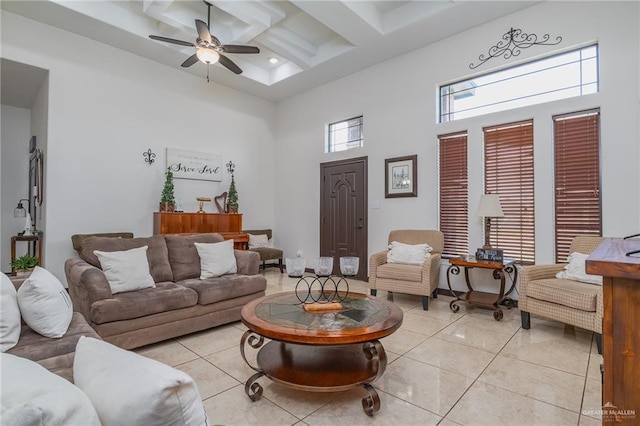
203, 31
230, 65
234, 48
172, 40
190, 61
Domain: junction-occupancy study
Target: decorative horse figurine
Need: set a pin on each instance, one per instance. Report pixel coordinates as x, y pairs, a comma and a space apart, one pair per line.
221, 208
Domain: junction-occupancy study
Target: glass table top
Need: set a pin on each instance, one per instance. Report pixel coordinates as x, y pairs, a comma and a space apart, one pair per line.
358, 311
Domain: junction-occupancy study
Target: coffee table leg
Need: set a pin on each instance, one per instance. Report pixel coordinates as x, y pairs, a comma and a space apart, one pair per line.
254, 340
254, 390
370, 403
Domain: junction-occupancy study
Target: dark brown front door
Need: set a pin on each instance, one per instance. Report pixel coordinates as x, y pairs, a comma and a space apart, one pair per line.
343, 212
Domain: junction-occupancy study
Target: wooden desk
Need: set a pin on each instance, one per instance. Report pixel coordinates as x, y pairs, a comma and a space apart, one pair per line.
227, 225
36, 239
620, 335
481, 298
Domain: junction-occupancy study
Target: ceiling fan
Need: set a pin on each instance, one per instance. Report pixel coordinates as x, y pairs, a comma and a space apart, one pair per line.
209, 50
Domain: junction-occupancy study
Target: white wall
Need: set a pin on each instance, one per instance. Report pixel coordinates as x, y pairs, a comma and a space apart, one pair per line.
398, 99
14, 148
105, 108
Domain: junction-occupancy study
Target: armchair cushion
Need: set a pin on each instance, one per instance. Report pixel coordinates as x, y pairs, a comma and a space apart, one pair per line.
258, 241
576, 270
412, 254
565, 292
398, 271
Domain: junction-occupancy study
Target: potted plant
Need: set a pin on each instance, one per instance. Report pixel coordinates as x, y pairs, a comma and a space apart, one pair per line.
167, 199
232, 197
24, 264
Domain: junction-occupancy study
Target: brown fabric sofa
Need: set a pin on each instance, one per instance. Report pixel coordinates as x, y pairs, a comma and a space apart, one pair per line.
56, 355
180, 303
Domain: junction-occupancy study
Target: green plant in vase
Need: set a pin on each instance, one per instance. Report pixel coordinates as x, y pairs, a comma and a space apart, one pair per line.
232, 197
24, 263
167, 199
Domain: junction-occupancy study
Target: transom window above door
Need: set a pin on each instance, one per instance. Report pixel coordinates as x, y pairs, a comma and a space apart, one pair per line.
343, 135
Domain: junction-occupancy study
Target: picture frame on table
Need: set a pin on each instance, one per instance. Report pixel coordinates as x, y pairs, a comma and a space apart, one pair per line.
401, 177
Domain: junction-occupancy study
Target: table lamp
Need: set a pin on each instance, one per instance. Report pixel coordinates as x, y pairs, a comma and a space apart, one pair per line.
19, 212
202, 200
489, 207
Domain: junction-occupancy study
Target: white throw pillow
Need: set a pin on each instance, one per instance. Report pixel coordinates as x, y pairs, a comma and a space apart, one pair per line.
216, 259
258, 241
576, 270
32, 395
130, 389
126, 270
45, 304
9, 315
413, 254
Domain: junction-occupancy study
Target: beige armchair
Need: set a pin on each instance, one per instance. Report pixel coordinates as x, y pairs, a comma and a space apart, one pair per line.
571, 302
421, 280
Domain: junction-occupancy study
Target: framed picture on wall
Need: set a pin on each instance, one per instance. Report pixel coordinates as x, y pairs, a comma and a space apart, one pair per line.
401, 177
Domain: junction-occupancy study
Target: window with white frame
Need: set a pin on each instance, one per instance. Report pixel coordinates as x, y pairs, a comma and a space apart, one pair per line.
343, 135
561, 76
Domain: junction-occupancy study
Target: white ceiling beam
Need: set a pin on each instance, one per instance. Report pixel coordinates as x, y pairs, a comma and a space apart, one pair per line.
342, 19
412, 12
282, 47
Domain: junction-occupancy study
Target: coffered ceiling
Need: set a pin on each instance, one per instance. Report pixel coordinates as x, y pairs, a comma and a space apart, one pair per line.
313, 42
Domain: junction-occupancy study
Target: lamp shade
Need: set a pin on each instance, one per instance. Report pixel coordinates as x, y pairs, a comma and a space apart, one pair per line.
490, 206
20, 211
207, 55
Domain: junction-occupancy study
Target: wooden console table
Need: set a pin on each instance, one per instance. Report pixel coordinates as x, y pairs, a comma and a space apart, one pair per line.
227, 225
621, 342
481, 298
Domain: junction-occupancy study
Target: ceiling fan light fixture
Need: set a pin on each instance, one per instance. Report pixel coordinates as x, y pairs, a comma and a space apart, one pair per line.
207, 55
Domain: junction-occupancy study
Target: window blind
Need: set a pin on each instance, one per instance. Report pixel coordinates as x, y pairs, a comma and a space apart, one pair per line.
508, 172
454, 206
577, 178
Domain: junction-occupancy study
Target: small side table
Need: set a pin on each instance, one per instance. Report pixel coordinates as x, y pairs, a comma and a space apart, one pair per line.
480, 298
36, 239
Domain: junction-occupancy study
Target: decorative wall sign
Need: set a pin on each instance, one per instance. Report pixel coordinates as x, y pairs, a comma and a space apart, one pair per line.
194, 165
401, 177
511, 44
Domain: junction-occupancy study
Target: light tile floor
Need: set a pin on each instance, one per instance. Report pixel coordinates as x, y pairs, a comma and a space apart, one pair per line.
443, 368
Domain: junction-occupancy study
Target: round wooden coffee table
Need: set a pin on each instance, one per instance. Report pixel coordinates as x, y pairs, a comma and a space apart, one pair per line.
325, 350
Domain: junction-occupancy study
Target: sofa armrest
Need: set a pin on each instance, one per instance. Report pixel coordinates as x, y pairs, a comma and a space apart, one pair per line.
248, 262
87, 284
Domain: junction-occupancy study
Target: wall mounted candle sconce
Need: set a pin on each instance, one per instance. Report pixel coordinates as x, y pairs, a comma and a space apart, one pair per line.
149, 156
